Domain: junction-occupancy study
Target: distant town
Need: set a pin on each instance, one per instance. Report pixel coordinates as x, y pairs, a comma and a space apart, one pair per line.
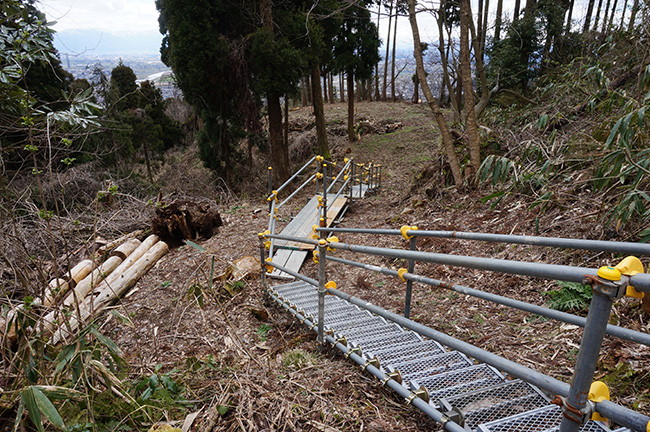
147, 66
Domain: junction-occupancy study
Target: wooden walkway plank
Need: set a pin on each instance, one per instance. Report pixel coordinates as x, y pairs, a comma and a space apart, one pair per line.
291, 259
301, 225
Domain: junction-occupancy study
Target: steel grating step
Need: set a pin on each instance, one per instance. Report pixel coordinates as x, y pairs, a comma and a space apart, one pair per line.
545, 419
334, 310
495, 402
406, 352
363, 323
460, 381
294, 288
400, 339
359, 335
430, 365
488, 402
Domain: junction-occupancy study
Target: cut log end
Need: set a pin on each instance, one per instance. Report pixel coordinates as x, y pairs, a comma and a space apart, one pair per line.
185, 220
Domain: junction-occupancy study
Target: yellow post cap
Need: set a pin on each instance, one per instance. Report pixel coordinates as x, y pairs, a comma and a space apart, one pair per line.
598, 392
609, 273
322, 242
346, 160
401, 272
404, 230
270, 168
629, 267
330, 285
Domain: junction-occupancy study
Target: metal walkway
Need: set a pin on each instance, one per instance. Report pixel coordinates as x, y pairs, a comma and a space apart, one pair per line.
323, 209
476, 395
292, 254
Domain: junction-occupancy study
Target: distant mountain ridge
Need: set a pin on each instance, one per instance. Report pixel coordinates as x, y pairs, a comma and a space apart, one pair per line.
99, 42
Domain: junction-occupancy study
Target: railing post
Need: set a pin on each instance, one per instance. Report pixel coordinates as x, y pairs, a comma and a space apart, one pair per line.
270, 183
409, 283
263, 259
322, 247
606, 288
324, 214
411, 266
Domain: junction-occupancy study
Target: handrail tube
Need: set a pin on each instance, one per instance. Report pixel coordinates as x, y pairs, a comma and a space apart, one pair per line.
309, 280
337, 177
618, 414
338, 194
565, 243
641, 281
292, 239
423, 406
613, 330
272, 225
296, 174
297, 190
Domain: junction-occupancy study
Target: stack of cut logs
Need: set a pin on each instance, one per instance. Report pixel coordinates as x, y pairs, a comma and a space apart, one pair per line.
91, 286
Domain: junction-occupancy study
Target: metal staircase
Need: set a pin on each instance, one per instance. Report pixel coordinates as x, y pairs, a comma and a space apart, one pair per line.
476, 396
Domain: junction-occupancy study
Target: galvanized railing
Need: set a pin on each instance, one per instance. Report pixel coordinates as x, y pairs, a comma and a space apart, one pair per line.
349, 175
608, 283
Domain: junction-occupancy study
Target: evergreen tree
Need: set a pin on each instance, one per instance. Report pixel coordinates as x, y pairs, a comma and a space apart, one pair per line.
356, 51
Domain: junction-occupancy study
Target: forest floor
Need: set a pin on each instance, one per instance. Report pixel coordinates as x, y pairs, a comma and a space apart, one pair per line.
243, 363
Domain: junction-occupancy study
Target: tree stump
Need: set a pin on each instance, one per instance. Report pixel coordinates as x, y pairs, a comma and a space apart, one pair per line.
185, 220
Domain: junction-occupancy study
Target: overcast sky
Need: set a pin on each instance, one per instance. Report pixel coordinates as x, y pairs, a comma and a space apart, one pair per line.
124, 17
111, 16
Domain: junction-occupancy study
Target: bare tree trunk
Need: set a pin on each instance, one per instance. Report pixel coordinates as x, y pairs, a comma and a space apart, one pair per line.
473, 143
611, 16
352, 137
390, 18
587, 24
310, 96
342, 86
515, 14
603, 28
444, 58
447, 139
325, 93
286, 122
620, 26
416, 90
479, 21
319, 113
279, 152
630, 27
480, 69
392, 67
377, 96
303, 92
485, 28
597, 16
568, 19
331, 87
497, 21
